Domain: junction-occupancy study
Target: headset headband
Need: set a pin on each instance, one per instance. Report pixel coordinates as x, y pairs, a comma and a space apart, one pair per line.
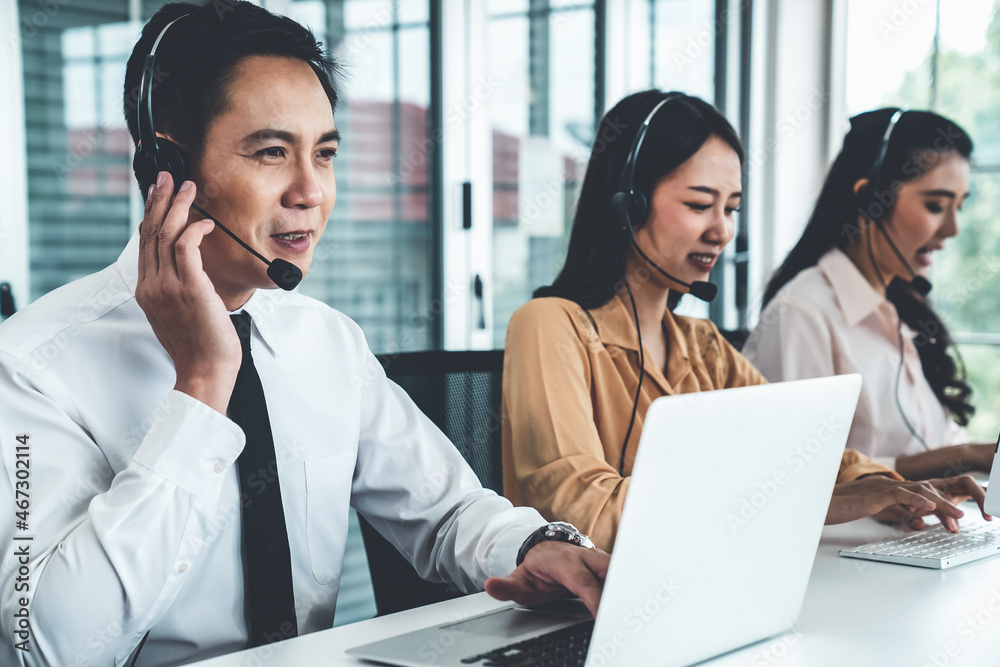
876, 174
147, 135
629, 184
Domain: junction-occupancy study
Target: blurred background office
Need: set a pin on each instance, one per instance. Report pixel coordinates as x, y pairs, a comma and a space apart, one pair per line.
467, 126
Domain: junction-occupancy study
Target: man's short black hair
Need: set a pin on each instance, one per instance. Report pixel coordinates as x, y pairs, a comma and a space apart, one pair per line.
197, 57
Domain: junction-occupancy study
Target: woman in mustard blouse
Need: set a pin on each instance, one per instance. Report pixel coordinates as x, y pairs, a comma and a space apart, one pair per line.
572, 362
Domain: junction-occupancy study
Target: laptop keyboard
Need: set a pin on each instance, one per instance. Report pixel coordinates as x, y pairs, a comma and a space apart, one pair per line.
562, 648
936, 547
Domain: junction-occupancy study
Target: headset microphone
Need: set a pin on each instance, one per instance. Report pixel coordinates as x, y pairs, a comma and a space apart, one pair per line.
700, 289
920, 285
282, 273
155, 154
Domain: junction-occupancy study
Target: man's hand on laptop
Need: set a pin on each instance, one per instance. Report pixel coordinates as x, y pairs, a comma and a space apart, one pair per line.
551, 570
904, 502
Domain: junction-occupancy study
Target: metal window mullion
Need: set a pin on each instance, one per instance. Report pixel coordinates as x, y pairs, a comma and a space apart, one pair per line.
395, 242
652, 42
717, 307
743, 238
436, 169
539, 47
600, 55
935, 52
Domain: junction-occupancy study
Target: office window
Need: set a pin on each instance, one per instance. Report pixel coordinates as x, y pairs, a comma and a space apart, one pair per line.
79, 169
683, 34
375, 259
374, 262
541, 55
941, 56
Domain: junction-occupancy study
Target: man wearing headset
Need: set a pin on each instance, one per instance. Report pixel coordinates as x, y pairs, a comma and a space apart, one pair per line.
134, 402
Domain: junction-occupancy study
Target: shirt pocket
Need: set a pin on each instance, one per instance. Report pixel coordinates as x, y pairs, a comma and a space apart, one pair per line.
328, 498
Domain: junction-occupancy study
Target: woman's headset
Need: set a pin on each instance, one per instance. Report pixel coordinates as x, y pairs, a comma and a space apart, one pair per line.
629, 203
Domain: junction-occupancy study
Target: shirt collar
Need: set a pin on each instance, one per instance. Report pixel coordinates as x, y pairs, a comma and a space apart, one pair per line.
260, 305
855, 296
615, 325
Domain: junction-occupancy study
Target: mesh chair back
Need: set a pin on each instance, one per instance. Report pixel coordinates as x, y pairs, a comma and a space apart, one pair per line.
736, 337
461, 393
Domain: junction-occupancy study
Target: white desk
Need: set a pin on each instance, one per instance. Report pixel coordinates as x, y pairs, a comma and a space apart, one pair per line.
855, 613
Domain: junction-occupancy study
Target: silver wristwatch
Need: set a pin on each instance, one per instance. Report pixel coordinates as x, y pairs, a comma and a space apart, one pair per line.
556, 531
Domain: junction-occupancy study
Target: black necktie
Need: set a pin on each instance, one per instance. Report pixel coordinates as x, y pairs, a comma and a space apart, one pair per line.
268, 565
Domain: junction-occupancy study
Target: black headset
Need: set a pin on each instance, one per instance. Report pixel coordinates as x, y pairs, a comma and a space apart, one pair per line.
867, 203
155, 154
631, 203
627, 203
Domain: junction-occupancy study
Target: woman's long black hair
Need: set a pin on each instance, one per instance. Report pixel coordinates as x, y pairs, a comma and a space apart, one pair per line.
917, 137
594, 266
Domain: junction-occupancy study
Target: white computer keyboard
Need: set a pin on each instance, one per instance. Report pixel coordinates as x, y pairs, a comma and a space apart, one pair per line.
935, 547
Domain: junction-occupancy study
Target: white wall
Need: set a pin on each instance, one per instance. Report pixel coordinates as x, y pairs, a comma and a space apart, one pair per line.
797, 87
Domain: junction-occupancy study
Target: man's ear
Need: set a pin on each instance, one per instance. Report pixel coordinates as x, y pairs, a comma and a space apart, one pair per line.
170, 139
167, 137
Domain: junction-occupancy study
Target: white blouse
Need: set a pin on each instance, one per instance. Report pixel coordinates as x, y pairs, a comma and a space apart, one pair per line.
829, 320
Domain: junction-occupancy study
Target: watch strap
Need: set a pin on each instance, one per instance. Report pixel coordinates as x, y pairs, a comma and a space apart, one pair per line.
555, 531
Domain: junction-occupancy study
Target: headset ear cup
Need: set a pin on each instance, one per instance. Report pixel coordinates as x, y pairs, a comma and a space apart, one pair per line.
168, 157
639, 209
620, 207
144, 167
173, 159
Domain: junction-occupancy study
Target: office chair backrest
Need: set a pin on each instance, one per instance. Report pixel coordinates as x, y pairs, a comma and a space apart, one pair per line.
461, 393
736, 337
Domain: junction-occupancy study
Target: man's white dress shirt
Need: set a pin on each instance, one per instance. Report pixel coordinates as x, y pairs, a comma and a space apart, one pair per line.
134, 508
829, 320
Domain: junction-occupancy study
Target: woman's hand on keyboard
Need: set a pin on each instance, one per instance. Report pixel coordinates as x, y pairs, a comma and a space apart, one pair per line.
904, 501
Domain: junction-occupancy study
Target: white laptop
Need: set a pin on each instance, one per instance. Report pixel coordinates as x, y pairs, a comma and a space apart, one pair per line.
935, 547
724, 480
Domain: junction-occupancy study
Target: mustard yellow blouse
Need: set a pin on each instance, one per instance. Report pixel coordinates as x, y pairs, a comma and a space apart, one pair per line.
569, 380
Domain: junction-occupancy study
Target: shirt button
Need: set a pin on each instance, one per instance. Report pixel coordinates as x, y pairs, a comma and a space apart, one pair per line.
182, 568
220, 466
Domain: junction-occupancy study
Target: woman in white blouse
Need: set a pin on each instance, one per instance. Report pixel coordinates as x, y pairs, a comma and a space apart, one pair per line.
848, 298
